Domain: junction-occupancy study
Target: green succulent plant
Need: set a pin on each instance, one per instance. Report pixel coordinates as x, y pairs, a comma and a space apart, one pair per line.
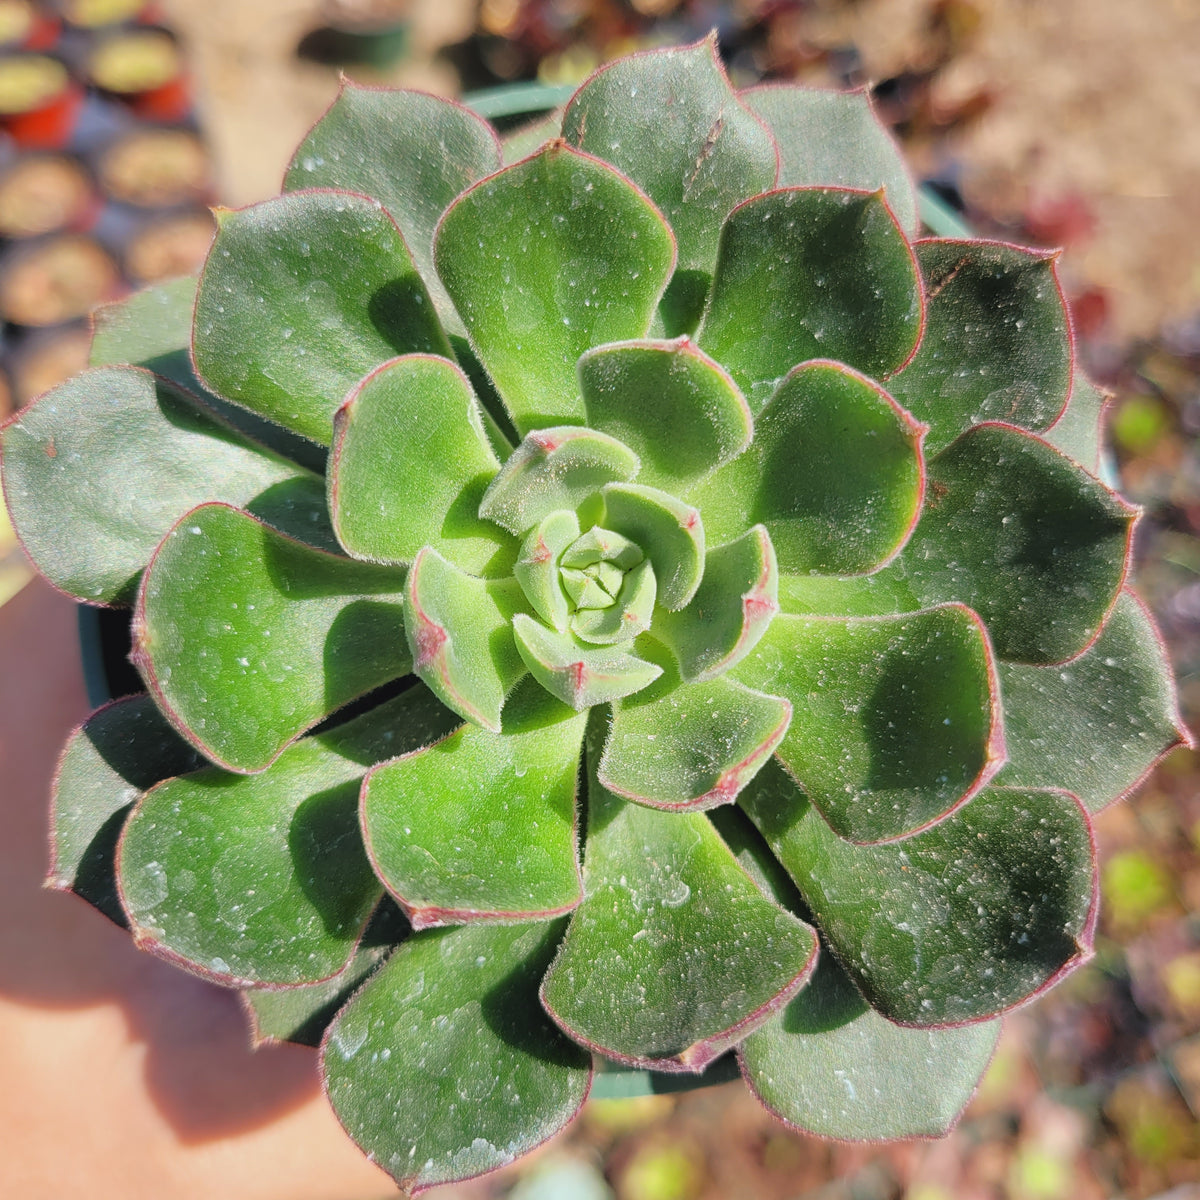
597, 612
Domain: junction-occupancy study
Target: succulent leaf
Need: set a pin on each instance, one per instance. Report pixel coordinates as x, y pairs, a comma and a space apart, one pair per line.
690, 746
537, 566
554, 469
834, 139
287, 636
480, 827
1078, 432
897, 719
811, 273
674, 954
547, 259
1037, 546
410, 463
678, 411
835, 473
69, 457
410, 151
669, 532
300, 297
734, 604
444, 1066
1097, 725
263, 878
997, 343
579, 674
829, 1064
153, 329
671, 121
122, 749
301, 1014
955, 924
458, 629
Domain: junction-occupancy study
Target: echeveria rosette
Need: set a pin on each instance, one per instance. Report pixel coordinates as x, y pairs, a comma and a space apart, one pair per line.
752, 621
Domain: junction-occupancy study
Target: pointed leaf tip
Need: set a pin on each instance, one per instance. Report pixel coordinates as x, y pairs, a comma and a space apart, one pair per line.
458, 629
554, 469
669, 532
709, 151
736, 601
997, 342
676, 408
578, 674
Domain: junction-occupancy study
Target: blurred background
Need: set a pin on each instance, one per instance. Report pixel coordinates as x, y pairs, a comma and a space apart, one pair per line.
1072, 123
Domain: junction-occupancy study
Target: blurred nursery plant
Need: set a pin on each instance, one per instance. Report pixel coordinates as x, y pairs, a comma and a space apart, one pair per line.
743, 626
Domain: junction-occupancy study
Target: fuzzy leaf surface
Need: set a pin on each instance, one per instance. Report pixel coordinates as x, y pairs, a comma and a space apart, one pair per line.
410, 151
545, 260
1032, 542
152, 328
690, 746
997, 345
263, 878
628, 617
679, 411
481, 826
458, 630
1079, 431
835, 473
881, 594
808, 273
830, 1065
675, 953
409, 466
554, 469
536, 568
730, 611
70, 458
671, 121
834, 139
300, 297
444, 1066
579, 674
957, 923
896, 721
669, 533
302, 1014
1098, 724
286, 636
121, 750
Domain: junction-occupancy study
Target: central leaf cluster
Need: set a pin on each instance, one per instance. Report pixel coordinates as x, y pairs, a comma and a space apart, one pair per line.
604, 582
594, 549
